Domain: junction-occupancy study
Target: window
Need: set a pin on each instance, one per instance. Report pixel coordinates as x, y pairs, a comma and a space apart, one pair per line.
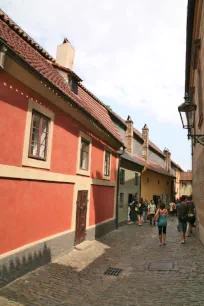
167, 182
136, 179
122, 176
39, 127
121, 200
73, 83
107, 163
38, 136
158, 182
147, 180
84, 155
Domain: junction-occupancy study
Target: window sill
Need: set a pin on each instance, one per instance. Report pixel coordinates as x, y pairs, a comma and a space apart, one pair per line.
35, 163
107, 178
83, 172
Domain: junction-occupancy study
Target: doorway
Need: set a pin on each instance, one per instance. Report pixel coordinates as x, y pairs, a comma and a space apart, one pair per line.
80, 233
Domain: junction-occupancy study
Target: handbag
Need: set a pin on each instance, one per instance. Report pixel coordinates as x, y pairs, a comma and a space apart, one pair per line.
148, 217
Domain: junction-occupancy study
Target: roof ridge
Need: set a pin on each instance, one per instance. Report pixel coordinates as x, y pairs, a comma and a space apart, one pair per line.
16, 28
46, 69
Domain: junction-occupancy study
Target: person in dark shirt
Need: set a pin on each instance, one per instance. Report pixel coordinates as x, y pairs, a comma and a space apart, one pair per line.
140, 207
191, 216
183, 218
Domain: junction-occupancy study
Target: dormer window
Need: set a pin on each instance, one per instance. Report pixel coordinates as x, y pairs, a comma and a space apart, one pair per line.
73, 83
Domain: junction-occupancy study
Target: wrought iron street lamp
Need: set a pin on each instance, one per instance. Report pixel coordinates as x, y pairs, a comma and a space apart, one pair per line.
187, 113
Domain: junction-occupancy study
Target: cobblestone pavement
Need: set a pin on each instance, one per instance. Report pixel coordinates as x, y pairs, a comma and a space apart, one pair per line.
78, 279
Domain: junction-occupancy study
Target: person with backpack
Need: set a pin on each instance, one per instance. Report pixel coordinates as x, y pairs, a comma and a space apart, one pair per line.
161, 218
191, 216
183, 218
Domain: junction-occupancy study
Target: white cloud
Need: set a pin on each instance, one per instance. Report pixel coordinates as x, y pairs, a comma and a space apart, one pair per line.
130, 51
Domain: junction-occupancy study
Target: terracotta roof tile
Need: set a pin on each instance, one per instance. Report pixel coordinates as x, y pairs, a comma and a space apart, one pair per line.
186, 176
46, 69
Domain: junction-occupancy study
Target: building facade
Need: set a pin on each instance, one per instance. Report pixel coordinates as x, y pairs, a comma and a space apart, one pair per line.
194, 86
59, 161
158, 175
186, 184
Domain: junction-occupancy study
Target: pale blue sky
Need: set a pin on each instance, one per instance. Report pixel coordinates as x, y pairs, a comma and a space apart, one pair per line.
130, 53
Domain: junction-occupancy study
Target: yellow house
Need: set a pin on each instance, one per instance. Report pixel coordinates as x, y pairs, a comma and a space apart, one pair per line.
156, 186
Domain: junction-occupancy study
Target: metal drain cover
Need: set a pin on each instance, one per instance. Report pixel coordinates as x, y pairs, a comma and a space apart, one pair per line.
160, 266
113, 271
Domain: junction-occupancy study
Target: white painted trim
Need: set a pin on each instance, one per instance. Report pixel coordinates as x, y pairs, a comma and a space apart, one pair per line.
25, 173
27, 161
89, 139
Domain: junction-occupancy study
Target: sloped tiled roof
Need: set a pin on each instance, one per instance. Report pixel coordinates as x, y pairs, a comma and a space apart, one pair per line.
152, 166
186, 176
131, 158
35, 56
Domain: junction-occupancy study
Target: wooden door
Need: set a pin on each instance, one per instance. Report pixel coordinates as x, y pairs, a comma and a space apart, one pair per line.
81, 216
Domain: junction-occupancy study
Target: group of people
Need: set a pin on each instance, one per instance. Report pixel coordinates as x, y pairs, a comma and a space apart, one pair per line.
141, 210
184, 208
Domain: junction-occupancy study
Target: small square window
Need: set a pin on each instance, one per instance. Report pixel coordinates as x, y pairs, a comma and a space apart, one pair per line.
84, 155
136, 179
121, 200
107, 163
122, 176
38, 136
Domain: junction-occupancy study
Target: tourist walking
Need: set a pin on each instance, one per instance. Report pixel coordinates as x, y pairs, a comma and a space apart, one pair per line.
191, 216
171, 209
151, 212
161, 218
140, 207
133, 209
145, 210
183, 218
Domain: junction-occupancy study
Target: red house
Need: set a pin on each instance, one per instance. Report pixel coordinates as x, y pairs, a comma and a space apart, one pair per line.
58, 160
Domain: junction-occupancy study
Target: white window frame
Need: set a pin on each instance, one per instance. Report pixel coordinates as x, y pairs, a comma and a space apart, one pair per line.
106, 177
87, 138
26, 160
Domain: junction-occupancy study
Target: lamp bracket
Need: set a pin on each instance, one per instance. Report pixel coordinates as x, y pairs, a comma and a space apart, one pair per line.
197, 138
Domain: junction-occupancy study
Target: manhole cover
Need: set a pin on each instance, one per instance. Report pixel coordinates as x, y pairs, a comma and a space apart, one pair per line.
160, 266
113, 271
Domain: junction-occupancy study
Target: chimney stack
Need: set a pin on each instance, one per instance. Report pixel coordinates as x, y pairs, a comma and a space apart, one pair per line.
65, 54
129, 135
167, 159
145, 146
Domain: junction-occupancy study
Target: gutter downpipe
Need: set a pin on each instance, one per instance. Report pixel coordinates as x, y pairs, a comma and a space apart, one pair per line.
118, 187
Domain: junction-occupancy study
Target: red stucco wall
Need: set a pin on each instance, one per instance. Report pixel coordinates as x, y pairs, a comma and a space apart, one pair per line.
101, 204
33, 210
13, 111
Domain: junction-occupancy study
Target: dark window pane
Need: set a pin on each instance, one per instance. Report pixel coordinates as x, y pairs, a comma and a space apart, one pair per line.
39, 134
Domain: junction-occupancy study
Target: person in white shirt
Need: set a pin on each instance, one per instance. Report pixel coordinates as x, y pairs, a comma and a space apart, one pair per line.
151, 211
172, 206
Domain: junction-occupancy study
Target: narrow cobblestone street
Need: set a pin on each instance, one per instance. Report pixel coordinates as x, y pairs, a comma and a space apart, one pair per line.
78, 278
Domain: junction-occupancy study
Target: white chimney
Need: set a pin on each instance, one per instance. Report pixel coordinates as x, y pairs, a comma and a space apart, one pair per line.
65, 54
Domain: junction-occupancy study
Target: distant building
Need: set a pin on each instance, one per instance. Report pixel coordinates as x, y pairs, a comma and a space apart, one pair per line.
185, 184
